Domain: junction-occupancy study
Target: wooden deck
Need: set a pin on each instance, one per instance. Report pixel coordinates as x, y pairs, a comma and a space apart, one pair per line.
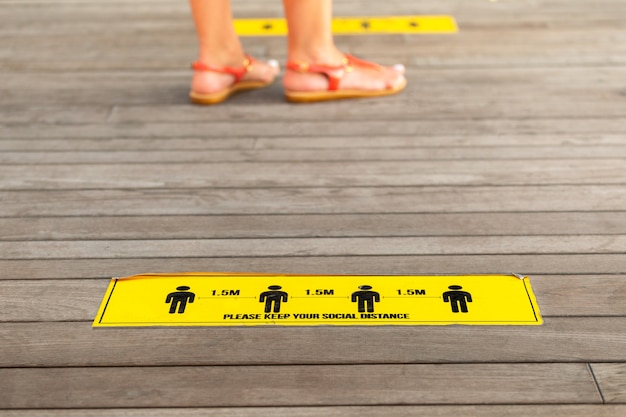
507, 153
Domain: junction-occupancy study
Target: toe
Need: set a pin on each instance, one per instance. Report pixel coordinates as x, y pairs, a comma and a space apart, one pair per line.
396, 76
274, 64
399, 68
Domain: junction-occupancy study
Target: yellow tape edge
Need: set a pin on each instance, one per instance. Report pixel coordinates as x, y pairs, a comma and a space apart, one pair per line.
533, 301
104, 303
330, 324
277, 275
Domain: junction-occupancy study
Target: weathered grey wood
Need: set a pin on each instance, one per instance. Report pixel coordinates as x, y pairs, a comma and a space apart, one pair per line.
171, 19
447, 94
74, 300
312, 200
311, 225
532, 88
451, 93
564, 144
79, 299
582, 295
309, 155
490, 47
77, 344
531, 264
124, 144
539, 46
585, 410
611, 379
433, 141
502, 14
296, 385
314, 174
321, 128
53, 114
369, 246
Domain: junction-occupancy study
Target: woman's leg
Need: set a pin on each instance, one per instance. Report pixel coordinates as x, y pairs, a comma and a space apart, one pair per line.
310, 40
310, 36
220, 45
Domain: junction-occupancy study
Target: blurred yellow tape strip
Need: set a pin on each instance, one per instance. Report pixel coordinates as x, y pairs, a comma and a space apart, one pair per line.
356, 25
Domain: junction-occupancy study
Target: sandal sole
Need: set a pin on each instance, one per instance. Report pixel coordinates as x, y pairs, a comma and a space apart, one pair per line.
220, 96
316, 96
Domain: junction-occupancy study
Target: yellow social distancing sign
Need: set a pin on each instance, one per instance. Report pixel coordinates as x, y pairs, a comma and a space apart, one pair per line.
356, 25
215, 299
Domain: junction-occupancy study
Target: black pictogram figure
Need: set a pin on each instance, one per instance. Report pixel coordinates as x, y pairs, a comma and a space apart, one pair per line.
366, 25
268, 26
414, 24
365, 298
457, 298
180, 299
274, 296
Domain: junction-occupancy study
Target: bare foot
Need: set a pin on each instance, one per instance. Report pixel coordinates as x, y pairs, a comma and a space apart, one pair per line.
208, 82
358, 78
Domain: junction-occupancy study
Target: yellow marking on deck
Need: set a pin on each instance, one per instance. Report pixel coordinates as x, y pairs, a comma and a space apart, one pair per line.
356, 25
214, 299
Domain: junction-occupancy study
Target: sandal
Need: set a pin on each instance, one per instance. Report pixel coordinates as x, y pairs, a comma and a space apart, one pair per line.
238, 85
335, 74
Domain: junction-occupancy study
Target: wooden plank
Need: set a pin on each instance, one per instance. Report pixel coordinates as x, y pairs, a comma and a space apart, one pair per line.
74, 300
558, 295
49, 300
176, 35
581, 295
530, 264
335, 128
123, 46
452, 93
312, 225
449, 94
53, 114
309, 155
312, 200
77, 344
495, 45
431, 141
611, 379
296, 385
159, 34
348, 411
368, 246
464, 52
320, 128
434, 144
33, 154
100, 145
504, 14
314, 174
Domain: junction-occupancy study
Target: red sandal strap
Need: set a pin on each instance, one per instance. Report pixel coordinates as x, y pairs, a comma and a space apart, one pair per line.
237, 72
333, 73
358, 62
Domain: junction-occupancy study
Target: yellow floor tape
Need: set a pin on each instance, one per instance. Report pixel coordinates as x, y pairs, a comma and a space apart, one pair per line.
213, 299
356, 25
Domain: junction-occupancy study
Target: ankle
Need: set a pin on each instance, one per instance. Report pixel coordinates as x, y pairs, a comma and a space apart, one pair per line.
230, 56
320, 54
